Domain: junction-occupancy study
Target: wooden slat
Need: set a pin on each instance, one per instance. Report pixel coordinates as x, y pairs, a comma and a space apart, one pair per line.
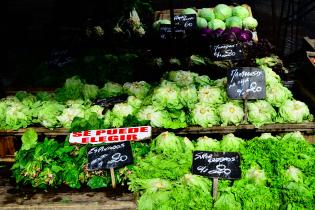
303, 127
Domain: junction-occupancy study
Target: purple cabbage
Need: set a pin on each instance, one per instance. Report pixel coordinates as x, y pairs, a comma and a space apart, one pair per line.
245, 36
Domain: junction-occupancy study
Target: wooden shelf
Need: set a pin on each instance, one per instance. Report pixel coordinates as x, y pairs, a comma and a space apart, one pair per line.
271, 128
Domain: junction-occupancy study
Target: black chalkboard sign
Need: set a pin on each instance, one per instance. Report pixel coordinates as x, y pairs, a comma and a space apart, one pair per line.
59, 58
217, 164
246, 83
114, 155
227, 52
166, 32
186, 22
109, 103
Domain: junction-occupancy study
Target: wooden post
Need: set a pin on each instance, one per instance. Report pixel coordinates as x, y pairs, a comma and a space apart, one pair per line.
245, 108
215, 188
112, 175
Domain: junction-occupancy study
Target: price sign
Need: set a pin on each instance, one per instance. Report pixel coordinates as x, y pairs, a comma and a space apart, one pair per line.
109, 156
224, 165
186, 22
59, 58
166, 32
108, 103
111, 135
246, 82
227, 52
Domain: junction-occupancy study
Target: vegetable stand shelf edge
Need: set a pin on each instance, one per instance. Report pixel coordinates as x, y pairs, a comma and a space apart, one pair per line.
7, 137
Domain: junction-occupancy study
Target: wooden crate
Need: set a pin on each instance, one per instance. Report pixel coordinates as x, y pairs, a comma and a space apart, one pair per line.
165, 14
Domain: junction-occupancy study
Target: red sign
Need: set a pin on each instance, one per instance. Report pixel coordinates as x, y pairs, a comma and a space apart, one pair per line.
112, 135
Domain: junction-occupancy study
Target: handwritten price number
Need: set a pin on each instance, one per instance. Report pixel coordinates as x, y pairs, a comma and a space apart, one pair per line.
227, 53
252, 88
220, 169
117, 157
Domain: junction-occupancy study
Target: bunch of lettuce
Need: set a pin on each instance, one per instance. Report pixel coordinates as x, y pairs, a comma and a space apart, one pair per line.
139, 89
110, 89
74, 108
204, 115
47, 112
261, 113
293, 111
167, 95
211, 95
14, 114
231, 113
277, 94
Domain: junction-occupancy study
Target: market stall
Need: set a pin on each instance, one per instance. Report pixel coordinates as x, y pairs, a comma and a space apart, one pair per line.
214, 126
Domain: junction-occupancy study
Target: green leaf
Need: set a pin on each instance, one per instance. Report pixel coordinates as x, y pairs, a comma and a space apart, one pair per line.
29, 139
97, 182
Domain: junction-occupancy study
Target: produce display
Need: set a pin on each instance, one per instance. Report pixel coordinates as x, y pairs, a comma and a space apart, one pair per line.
277, 171
222, 22
181, 99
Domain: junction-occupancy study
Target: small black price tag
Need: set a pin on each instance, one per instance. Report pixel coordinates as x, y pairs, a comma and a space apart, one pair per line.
227, 52
108, 103
186, 22
59, 58
246, 82
114, 155
224, 165
166, 32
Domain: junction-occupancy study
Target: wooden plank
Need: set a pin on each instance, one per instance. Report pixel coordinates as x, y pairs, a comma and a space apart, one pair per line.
303, 127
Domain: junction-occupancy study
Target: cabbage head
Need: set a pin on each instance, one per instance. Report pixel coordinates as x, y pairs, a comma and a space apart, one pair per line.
231, 113
260, 113
204, 115
206, 13
222, 11
250, 23
240, 12
294, 112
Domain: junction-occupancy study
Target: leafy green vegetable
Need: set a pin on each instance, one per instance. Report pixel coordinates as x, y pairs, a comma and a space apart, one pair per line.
294, 112
29, 139
260, 113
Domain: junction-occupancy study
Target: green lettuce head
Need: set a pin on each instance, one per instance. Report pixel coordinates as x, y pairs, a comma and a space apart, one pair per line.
211, 95
181, 78
89, 92
138, 89
188, 96
168, 143
202, 114
110, 89
256, 176
156, 117
167, 96
295, 112
271, 76
207, 144
230, 143
231, 113
276, 94
46, 114
250, 23
260, 113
